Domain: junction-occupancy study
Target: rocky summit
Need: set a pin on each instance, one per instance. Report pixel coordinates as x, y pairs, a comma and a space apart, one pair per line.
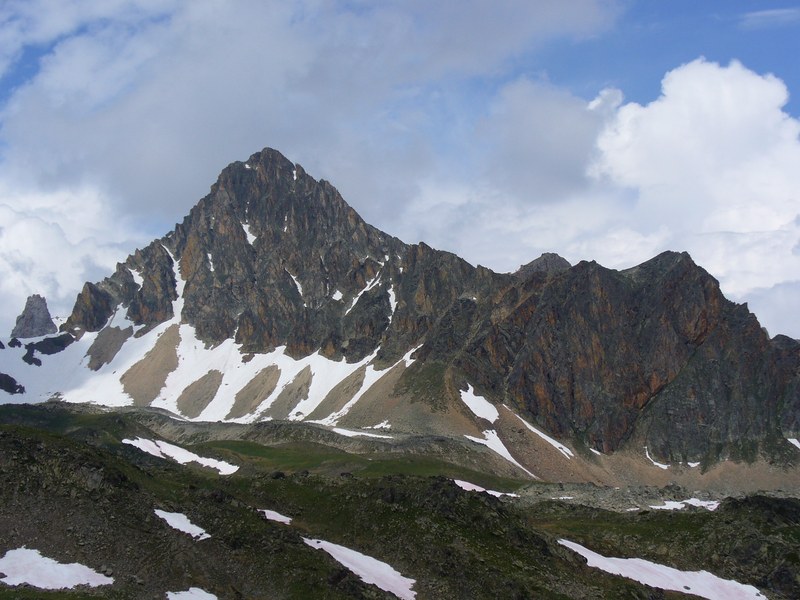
274, 300
35, 319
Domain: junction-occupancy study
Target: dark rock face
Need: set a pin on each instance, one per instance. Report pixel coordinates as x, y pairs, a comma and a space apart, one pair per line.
49, 345
35, 319
653, 355
655, 351
548, 262
10, 385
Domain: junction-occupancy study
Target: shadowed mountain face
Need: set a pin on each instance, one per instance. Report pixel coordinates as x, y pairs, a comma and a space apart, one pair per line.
272, 259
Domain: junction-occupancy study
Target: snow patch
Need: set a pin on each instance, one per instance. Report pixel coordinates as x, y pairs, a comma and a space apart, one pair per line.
392, 300
371, 377
471, 487
137, 277
479, 405
163, 449
794, 442
370, 570
658, 464
382, 425
492, 441
28, 566
275, 516
182, 523
597, 452
326, 374
337, 295
371, 284
191, 594
210, 262
557, 445
294, 174
698, 583
407, 356
693, 464
673, 505
299, 287
351, 433
251, 238
246, 166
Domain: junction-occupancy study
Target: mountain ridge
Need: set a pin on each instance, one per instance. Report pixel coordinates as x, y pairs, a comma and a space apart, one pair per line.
274, 285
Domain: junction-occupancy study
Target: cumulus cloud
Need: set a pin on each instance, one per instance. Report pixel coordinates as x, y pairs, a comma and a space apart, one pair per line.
51, 243
712, 164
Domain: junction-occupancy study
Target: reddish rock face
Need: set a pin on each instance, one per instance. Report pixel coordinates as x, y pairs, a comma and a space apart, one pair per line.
655, 354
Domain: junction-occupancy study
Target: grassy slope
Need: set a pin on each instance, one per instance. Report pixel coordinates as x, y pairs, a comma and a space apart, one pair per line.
70, 489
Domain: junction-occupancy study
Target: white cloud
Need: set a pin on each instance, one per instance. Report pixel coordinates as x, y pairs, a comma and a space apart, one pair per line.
714, 162
773, 17
51, 244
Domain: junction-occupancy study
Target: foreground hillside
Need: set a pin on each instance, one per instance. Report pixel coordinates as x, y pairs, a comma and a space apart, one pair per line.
76, 485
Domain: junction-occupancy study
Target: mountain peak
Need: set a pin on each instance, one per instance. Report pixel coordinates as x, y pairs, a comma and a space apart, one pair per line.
274, 299
35, 319
548, 262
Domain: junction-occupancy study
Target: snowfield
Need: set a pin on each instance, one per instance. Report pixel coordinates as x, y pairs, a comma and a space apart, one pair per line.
699, 583
369, 569
27, 566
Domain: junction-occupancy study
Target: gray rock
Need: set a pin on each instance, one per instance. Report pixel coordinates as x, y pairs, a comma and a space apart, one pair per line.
548, 262
35, 319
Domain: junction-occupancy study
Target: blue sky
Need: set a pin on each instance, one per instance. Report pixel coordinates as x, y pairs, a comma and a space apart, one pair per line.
497, 130
651, 38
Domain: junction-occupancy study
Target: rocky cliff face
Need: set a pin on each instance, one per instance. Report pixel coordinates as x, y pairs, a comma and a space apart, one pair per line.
653, 356
35, 319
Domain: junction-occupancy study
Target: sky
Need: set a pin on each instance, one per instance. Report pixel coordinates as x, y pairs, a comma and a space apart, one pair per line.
598, 129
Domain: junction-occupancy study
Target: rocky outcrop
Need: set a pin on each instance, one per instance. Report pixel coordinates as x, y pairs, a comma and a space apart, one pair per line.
9, 384
653, 355
548, 262
35, 319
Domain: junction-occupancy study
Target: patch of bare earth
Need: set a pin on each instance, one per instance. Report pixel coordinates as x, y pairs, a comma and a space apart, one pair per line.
537, 454
255, 392
726, 477
199, 394
405, 414
291, 395
144, 380
106, 346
